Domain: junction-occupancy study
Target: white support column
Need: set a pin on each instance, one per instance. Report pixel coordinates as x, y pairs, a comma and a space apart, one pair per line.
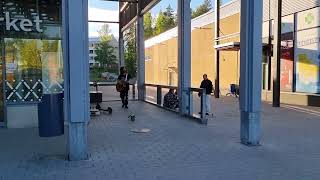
184, 55
140, 55
251, 71
76, 76
121, 49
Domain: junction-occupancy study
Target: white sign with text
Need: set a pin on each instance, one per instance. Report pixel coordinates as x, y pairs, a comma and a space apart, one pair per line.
24, 25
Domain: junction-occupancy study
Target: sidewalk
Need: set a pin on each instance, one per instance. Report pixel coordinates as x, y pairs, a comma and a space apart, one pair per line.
175, 149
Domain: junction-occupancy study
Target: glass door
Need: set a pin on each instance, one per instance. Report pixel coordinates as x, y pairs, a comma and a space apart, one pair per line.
2, 55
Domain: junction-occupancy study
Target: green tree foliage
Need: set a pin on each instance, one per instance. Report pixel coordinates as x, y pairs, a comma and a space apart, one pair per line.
148, 29
50, 46
130, 51
166, 20
205, 7
30, 54
105, 52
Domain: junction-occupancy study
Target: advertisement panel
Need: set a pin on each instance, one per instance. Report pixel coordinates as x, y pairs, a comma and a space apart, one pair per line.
286, 76
307, 56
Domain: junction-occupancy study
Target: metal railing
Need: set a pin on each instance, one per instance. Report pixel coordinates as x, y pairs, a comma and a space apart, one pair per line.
203, 98
96, 86
202, 117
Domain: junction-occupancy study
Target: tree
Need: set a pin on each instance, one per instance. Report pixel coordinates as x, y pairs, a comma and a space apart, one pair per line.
130, 55
30, 54
205, 7
148, 30
165, 21
105, 52
170, 17
104, 33
160, 24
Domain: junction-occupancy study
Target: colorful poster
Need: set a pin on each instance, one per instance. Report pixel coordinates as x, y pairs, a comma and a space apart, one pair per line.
286, 77
307, 56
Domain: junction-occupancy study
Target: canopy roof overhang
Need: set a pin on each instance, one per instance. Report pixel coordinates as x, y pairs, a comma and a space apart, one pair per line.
234, 46
230, 46
129, 9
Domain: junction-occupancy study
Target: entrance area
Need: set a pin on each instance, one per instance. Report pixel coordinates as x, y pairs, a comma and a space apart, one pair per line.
31, 62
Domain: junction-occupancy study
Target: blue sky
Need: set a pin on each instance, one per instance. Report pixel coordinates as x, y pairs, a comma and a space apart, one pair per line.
108, 11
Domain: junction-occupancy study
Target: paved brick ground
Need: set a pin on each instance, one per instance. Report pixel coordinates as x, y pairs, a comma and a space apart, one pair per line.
175, 149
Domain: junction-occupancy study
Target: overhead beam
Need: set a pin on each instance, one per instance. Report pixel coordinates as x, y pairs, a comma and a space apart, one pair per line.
130, 1
108, 22
128, 10
150, 5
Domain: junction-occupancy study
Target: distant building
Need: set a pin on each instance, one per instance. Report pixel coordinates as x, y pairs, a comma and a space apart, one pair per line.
93, 41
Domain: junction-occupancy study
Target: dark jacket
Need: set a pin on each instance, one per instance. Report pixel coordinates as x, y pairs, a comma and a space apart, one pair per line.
207, 84
170, 100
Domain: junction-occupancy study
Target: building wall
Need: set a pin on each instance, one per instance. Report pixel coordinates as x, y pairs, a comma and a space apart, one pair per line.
162, 58
300, 74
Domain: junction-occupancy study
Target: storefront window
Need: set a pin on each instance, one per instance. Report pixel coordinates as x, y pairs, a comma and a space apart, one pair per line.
32, 49
33, 67
307, 51
286, 76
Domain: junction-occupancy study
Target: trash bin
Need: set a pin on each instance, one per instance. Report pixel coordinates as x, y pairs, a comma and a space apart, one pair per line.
233, 88
50, 115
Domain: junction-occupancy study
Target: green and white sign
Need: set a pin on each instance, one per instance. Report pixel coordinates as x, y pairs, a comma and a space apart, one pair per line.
308, 19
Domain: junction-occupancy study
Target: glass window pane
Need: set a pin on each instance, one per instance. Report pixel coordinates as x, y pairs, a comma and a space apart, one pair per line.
161, 45
307, 61
32, 49
33, 67
100, 10
103, 51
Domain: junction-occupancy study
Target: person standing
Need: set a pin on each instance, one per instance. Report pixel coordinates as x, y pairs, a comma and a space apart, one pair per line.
207, 85
123, 86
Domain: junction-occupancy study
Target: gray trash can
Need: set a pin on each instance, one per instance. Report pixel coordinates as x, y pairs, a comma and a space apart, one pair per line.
50, 115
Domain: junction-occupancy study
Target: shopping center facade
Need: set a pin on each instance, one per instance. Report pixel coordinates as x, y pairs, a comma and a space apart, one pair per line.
44, 51
32, 58
300, 54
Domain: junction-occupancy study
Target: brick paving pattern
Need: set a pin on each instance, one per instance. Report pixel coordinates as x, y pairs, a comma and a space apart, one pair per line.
176, 148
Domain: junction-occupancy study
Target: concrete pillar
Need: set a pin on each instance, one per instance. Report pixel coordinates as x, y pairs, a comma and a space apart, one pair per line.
121, 49
217, 54
184, 55
140, 54
277, 53
76, 67
251, 71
